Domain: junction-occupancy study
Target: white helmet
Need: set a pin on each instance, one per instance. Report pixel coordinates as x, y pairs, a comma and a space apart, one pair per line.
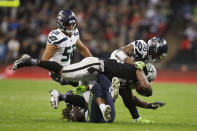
151, 72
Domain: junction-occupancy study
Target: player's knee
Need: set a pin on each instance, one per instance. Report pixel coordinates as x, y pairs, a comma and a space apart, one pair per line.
97, 90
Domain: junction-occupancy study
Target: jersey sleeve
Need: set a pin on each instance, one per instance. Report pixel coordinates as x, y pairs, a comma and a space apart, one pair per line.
76, 34
55, 38
140, 48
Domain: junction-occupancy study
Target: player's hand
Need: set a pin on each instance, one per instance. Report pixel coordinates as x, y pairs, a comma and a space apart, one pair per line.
140, 65
155, 105
79, 89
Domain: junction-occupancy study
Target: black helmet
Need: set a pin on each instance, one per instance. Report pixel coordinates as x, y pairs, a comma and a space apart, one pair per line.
158, 48
66, 18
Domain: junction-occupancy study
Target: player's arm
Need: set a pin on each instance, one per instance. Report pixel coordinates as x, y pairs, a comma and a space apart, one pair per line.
125, 53
146, 105
143, 86
84, 51
49, 51
130, 101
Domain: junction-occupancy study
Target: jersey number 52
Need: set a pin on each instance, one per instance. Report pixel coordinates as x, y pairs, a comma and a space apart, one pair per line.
68, 53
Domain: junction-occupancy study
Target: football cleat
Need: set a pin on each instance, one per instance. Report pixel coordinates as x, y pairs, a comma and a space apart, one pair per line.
142, 120
23, 61
106, 113
54, 94
114, 89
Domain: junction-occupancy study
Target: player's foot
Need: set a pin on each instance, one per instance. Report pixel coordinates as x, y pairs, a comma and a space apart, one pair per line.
23, 61
106, 113
142, 120
114, 89
54, 98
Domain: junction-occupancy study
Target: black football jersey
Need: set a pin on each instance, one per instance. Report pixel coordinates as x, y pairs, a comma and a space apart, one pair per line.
121, 70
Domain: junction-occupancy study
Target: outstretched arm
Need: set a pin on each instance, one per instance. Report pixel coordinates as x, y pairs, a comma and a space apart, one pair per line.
131, 101
146, 105
125, 53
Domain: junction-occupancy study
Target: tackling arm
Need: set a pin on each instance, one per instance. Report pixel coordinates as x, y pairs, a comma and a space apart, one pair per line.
125, 53
84, 51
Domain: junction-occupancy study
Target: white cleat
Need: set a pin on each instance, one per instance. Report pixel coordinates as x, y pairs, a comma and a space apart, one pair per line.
23, 61
106, 113
114, 89
54, 98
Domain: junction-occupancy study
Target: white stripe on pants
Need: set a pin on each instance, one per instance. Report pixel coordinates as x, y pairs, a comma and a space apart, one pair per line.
78, 71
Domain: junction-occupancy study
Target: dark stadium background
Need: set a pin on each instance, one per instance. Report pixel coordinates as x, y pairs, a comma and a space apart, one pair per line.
104, 25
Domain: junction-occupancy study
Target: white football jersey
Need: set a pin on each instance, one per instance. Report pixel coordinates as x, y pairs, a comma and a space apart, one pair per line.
140, 51
66, 45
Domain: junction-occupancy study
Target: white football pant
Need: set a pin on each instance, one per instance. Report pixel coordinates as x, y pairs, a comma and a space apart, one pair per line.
78, 71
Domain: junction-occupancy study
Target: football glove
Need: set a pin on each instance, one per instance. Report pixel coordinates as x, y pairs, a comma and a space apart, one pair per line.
155, 105
79, 89
140, 65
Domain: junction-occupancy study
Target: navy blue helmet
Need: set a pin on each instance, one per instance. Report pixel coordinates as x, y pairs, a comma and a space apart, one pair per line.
66, 21
158, 48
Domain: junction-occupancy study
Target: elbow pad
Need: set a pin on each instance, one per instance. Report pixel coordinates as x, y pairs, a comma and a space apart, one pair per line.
121, 55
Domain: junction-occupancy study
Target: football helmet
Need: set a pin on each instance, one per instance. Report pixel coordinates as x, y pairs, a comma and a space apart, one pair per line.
158, 48
151, 72
66, 21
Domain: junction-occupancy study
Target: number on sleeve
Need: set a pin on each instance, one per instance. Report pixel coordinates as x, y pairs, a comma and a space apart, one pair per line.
52, 38
138, 45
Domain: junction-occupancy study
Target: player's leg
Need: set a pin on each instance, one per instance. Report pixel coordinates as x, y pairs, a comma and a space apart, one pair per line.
111, 86
106, 84
26, 60
129, 102
127, 98
68, 98
79, 71
63, 81
103, 115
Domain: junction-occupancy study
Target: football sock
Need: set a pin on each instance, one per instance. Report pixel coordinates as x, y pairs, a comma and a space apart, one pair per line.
62, 97
102, 106
33, 62
51, 66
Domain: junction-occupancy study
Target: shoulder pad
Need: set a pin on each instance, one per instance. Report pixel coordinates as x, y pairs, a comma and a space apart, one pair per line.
55, 37
140, 48
76, 32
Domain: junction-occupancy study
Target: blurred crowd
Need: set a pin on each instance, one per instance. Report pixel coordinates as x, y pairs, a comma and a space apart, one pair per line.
104, 25
189, 13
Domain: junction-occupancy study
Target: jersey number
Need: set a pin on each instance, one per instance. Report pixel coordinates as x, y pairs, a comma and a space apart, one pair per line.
68, 52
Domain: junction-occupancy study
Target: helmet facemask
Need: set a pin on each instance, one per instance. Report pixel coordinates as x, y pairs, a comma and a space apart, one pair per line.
66, 21
70, 29
151, 72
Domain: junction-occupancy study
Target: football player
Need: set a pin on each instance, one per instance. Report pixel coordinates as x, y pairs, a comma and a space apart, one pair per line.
89, 68
84, 106
63, 41
153, 51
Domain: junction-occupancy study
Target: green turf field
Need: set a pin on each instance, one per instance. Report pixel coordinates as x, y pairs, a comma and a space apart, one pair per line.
24, 105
